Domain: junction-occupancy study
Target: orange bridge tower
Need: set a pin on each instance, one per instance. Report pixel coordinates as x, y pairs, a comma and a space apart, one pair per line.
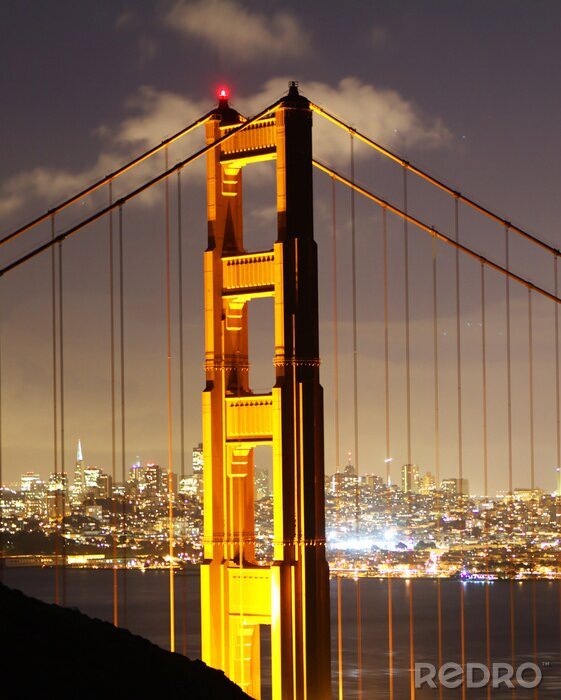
292, 594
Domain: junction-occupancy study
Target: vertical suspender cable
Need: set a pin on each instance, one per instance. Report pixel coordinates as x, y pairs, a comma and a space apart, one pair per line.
557, 418
339, 637
407, 328
337, 430
169, 412
114, 517
359, 636
460, 436
535, 501
123, 415
180, 323
181, 391
2, 562
355, 414
435, 371
386, 347
61, 378
335, 330
388, 440
437, 443
509, 440
408, 409
531, 390
485, 467
355, 339
55, 412
508, 364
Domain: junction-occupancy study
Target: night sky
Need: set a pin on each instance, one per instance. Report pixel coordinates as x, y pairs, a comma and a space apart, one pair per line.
466, 90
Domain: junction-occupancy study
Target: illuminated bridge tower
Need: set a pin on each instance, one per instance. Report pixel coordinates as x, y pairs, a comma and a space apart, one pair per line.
291, 595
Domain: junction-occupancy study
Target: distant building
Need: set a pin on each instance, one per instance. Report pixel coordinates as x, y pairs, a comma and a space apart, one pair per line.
455, 487
410, 478
198, 459
374, 482
58, 505
34, 491
189, 486
527, 494
105, 485
58, 482
154, 482
427, 484
30, 482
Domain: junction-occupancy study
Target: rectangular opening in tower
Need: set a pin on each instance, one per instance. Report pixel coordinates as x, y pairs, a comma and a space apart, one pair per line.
263, 489
261, 329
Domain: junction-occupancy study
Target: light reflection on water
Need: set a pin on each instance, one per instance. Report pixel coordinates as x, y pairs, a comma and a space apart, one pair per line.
147, 615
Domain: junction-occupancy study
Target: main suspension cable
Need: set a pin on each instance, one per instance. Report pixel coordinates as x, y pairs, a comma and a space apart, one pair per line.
134, 193
433, 181
431, 230
105, 180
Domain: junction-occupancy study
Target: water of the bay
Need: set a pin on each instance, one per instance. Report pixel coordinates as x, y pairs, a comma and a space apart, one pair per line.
147, 614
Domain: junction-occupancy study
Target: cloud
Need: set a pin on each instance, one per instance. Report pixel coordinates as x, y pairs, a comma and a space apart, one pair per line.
153, 115
384, 115
243, 34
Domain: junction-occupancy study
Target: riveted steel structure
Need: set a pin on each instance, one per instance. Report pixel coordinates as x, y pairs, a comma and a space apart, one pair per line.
292, 594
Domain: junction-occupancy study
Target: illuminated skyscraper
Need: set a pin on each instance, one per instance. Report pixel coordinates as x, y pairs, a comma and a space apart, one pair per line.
455, 487
198, 459
410, 478
427, 484
77, 489
30, 482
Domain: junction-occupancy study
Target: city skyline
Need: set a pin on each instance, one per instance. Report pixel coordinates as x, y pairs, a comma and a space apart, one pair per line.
423, 479
416, 529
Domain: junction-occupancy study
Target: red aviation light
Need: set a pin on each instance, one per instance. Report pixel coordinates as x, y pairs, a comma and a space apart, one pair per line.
223, 93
